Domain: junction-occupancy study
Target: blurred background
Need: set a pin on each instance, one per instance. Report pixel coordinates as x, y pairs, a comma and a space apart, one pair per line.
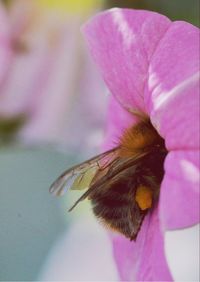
52, 115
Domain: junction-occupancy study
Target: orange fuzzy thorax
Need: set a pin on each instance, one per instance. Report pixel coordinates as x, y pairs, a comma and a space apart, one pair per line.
137, 138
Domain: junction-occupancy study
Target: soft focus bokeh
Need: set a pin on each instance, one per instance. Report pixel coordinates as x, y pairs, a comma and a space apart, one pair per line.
53, 106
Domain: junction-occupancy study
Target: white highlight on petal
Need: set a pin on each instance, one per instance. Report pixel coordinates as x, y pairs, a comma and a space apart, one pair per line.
162, 99
191, 171
182, 253
167, 97
153, 82
123, 27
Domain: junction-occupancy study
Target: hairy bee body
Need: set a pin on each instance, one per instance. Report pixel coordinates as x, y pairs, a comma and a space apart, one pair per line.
126, 182
115, 203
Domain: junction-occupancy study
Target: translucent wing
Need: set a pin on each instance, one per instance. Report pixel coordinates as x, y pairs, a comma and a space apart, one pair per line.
113, 171
80, 176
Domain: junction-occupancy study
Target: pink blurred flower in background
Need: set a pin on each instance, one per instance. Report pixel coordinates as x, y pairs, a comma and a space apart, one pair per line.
5, 51
44, 72
151, 65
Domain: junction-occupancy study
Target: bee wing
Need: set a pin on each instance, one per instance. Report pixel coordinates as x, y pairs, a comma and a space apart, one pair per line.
115, 169
80, 176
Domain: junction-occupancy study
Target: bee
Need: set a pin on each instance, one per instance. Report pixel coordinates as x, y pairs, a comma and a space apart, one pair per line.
123, 183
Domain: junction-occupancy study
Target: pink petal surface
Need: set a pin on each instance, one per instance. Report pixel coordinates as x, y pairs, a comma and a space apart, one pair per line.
177, 117
145, 259
172, 93
122, 43
54, 84
118, 120
5, 46
180, 190
18, 92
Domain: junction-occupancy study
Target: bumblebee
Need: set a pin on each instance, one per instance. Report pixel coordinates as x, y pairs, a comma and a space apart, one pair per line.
123, 184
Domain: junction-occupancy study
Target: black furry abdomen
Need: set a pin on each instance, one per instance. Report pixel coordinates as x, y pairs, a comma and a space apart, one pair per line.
114, 204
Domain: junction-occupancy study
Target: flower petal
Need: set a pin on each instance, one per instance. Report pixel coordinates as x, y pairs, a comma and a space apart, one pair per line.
118, 120
122, 42
180, 190
143, 260
157, 73
5, 47
172, 96
137, 62
182, 253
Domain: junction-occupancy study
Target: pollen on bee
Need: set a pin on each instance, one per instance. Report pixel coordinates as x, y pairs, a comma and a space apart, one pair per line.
144, 197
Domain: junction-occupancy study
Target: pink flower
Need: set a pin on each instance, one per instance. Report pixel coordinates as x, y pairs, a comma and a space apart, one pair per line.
151, 65
5, 50
44, 71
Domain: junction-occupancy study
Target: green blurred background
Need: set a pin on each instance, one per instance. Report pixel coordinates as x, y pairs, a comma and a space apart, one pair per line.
176, 10
31, 220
